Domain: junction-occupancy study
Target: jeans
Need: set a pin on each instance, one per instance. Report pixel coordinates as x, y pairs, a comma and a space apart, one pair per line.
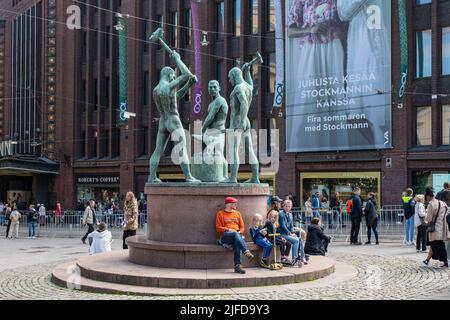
31, 229
421, 238
375, 232
126, 234
410, 229
266, 245
354, 232
295, 243
316, 214
90, 230
235, 239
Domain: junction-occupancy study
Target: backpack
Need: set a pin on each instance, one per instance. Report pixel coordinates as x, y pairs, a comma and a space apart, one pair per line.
349, 206
409, 208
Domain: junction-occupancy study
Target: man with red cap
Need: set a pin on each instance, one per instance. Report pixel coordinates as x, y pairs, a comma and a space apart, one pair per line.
230, 227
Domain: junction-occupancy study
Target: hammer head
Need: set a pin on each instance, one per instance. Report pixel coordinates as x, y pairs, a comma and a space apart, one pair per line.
259, 58
158, 34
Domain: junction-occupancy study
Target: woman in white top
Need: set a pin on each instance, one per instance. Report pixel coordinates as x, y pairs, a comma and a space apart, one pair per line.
420, 214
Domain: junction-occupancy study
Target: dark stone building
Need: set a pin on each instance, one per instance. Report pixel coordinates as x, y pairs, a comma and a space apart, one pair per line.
59, 101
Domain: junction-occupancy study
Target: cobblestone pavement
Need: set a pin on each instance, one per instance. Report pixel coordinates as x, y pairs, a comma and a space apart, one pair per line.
389, 271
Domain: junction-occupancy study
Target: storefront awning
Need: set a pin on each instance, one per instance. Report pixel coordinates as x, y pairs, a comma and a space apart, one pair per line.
27, 166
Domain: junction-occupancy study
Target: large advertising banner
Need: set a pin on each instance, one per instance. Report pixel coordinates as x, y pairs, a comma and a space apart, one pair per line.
338, 75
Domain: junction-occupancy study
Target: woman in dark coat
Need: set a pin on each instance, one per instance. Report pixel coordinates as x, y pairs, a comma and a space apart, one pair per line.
316, 241
371, 214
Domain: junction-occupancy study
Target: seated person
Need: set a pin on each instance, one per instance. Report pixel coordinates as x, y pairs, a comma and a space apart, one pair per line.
258, 234
230, 226
316, 241
273, 227
101, 239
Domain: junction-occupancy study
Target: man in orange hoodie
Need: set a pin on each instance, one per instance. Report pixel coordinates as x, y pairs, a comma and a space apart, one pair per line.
230, 227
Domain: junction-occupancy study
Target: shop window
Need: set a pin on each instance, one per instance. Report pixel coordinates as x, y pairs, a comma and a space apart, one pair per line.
423, 126
446, 125
446, 51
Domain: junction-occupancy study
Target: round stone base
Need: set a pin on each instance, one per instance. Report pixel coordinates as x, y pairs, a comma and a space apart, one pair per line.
112, 272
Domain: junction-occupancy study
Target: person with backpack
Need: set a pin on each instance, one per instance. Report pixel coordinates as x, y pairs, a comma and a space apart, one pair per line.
15, 222
409, 211
356, 215
32, 217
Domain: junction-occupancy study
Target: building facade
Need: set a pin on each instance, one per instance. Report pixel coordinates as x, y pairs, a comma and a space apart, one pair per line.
60, 90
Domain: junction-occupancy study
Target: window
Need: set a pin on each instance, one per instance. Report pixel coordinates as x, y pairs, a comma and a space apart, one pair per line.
446, 125
188, 30
95, 46
107, 87
220, 20
146, 36
253, 21
423, 2
106, 143
96, 89
144, 144
423, 54
270, 67
270, 15
145, 97
106, 35
423, 126
237, 18
174, 29
219, 72
446, 51
82, 145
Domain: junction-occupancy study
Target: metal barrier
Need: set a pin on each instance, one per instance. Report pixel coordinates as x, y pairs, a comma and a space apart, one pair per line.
70, 224
337, 222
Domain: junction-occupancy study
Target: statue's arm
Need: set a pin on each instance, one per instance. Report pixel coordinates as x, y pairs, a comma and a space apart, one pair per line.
185, 89
178, 82
180, 64
248, 74
232, 111
211, 116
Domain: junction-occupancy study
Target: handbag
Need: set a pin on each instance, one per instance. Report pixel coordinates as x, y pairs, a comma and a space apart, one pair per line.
432, 224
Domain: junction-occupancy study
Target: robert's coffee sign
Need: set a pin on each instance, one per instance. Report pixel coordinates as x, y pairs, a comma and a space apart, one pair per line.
98, 180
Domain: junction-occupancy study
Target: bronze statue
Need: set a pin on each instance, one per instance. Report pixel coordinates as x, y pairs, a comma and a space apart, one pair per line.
166, 96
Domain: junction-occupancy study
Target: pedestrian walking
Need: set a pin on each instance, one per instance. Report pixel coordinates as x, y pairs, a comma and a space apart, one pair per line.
131, 214
89, 219
356, 216
419, 222
101, 239
371, 214
408, 208
15, 223
437, 227
58, 213
315, 202
32, 218
8, 211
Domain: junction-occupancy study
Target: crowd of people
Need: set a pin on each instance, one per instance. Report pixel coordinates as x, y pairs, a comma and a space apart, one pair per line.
428, 215
279, 228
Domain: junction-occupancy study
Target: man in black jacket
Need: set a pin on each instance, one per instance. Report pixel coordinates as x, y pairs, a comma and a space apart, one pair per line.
356, 216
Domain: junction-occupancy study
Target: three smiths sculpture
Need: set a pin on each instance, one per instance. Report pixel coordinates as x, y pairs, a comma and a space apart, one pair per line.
166, 96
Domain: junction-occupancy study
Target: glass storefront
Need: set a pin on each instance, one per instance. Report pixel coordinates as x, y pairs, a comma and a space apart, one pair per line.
423, 179
101, 189
328, 183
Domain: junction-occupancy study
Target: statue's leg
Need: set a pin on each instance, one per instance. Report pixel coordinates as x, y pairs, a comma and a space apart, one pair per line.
234, 166
184, 157
161, 142
254, 163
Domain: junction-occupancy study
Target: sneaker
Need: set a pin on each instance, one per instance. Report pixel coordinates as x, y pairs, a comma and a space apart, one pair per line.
238, 269
445, 265
377, 243
286, 261
367, 243
249, 255
264, 264
426, 262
